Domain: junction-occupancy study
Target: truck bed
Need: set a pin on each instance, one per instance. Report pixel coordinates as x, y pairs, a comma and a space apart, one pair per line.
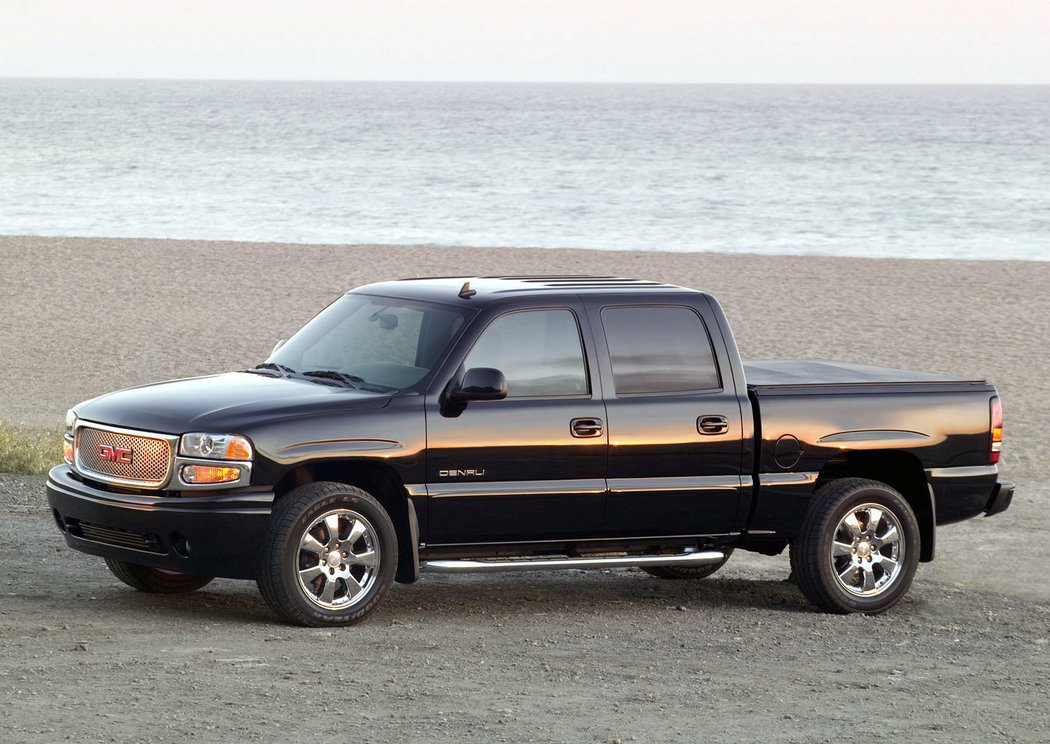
808, 373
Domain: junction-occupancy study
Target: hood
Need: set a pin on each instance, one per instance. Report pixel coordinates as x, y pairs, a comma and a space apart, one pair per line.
230, 402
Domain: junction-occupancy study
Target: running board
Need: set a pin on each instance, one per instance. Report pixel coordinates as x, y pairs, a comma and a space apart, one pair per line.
704, 558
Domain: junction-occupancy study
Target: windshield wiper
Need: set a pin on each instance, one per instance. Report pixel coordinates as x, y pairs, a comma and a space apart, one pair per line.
330, 374
265, 367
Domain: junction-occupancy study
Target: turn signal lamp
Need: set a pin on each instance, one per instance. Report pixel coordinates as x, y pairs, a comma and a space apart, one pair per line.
997, 429
67, 439
198, 474
238, 449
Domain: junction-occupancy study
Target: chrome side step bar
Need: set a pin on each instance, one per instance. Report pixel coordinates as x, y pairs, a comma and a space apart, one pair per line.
702, 558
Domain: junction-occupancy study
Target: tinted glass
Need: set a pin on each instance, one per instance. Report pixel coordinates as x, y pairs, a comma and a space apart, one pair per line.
389, 343
538, 351
659, 350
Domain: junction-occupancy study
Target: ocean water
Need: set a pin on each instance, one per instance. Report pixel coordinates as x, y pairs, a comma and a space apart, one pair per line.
926, 172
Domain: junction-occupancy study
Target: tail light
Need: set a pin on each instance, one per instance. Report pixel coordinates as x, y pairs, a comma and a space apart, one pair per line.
997, 430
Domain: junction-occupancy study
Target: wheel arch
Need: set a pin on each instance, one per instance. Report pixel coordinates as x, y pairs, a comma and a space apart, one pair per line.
900, 470
384, 483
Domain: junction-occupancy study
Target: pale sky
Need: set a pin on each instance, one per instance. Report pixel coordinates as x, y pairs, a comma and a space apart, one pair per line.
751, 41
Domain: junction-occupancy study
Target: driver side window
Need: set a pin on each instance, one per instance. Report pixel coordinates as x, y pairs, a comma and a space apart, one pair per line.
538, 351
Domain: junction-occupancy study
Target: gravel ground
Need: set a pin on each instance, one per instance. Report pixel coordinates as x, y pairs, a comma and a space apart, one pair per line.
563, 656
571, 656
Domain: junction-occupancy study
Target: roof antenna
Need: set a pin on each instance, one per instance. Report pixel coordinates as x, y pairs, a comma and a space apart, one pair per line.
466, 292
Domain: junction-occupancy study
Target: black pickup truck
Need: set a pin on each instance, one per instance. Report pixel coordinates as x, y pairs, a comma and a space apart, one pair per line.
517, 423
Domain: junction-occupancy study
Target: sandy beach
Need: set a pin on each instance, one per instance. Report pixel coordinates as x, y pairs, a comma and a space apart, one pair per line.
603, 657
79, 317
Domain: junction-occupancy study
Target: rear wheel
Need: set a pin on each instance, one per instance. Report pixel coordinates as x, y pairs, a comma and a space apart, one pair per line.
330, 557
686, 572
858, 548
155, 580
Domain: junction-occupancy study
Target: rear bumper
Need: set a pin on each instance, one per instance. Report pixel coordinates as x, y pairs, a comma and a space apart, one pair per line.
967, 491
1001, 498
208, 535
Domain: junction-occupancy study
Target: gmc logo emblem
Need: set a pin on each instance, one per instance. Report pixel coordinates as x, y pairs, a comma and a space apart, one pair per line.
114, 454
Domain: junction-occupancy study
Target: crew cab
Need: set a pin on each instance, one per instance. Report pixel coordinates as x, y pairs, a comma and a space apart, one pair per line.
523, 423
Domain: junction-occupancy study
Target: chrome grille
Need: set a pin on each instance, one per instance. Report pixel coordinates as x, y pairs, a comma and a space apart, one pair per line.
150, 457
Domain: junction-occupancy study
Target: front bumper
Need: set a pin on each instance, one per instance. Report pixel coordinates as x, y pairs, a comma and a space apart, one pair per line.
1001, 498
207, 535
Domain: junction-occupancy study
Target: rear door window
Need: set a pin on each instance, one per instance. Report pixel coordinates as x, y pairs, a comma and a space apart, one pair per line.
659, 349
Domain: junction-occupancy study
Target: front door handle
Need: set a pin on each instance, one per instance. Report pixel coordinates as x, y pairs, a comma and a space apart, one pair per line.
712, 424
585, 428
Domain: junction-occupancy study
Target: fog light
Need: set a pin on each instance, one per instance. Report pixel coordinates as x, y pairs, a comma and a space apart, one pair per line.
180, 544
197, 474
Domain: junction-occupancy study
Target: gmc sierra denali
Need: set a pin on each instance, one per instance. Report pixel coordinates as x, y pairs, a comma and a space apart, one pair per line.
524, 422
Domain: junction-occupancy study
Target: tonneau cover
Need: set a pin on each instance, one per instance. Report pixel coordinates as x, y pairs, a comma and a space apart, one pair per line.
777, 373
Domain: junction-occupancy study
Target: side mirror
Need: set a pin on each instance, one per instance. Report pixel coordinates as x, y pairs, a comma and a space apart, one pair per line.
276, 346
481, 383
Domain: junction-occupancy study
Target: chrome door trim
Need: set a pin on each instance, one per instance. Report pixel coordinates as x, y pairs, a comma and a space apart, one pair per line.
579, 486
678, 483
700, 536
514, 488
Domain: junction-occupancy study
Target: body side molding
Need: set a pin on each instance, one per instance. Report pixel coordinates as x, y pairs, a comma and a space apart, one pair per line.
965, 471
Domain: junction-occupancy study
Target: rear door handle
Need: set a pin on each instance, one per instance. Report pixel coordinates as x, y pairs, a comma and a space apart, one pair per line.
712, 424
585, 428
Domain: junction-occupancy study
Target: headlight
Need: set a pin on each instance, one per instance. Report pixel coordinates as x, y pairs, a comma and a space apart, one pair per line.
215, 446
71, 422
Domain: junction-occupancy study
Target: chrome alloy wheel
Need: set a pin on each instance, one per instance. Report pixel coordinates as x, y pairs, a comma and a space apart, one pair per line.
338, 559
867, 551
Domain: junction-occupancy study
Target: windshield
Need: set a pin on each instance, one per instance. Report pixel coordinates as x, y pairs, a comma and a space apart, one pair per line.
379, 343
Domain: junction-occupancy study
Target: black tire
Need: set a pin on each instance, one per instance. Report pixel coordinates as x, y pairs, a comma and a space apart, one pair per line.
686, 572
302, 577
842, 562
155, 580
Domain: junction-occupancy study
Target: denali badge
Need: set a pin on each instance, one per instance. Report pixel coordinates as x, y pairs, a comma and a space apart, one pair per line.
461, 473
114, 454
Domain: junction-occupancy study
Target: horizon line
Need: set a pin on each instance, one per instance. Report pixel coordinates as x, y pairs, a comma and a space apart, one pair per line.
522, 82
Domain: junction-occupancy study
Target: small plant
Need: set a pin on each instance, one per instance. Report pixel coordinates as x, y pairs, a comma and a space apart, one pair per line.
26, 451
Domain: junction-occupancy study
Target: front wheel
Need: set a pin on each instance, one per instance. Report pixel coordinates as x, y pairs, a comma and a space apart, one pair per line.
155, 580
330, 557
858, 548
